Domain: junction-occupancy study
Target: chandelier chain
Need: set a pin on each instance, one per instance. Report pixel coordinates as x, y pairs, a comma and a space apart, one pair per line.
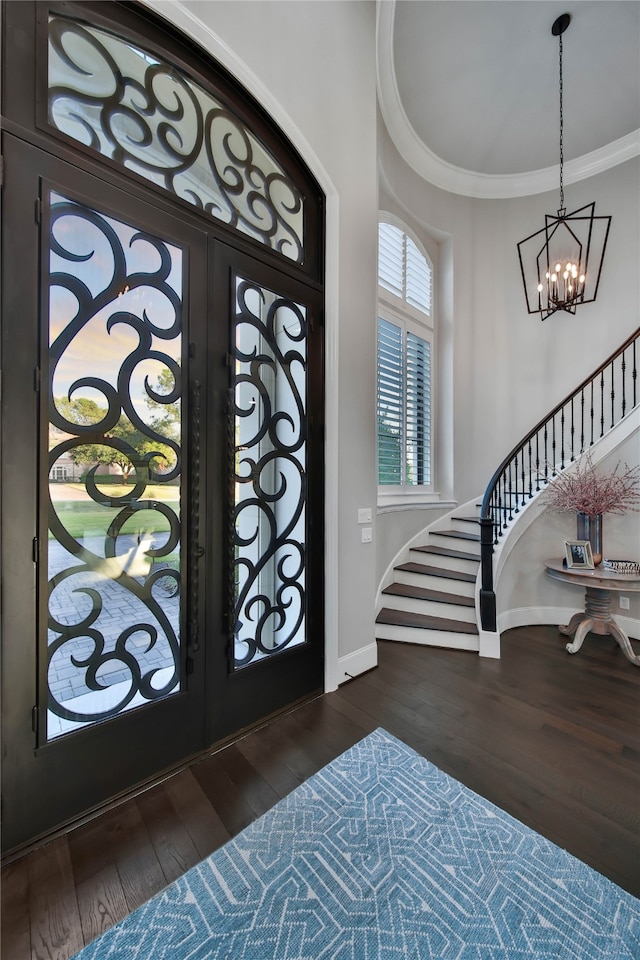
561, 131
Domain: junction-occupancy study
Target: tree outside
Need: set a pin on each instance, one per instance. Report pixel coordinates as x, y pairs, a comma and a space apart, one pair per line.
165, 420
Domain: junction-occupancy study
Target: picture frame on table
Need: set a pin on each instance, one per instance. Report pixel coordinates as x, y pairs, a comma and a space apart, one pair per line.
578, 555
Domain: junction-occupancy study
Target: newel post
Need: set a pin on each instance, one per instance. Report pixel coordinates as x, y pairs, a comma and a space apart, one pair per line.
487, 595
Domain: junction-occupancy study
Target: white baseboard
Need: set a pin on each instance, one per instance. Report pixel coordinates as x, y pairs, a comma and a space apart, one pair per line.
358, 662
527, 616
630, 626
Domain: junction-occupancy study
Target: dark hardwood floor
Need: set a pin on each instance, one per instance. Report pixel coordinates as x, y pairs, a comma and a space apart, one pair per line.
552, 738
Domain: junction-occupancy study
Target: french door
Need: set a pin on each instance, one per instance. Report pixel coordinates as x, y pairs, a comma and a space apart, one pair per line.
162, 566
273, 645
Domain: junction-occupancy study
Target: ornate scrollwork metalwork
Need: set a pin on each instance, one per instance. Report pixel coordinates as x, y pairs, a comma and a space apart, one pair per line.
269, 473
148, 116
115, 309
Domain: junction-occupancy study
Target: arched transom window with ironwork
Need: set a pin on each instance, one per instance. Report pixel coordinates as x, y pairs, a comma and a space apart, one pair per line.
155, 120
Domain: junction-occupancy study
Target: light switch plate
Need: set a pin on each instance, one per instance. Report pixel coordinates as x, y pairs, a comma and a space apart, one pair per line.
367, 534
364, 515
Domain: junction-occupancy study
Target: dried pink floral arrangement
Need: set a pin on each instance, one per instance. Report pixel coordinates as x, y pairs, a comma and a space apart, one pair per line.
584, 489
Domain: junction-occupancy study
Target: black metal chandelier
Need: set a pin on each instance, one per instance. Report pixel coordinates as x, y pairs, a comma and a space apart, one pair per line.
562, 262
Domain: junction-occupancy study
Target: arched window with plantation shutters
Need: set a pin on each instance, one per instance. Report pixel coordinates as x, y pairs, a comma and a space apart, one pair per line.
405, 334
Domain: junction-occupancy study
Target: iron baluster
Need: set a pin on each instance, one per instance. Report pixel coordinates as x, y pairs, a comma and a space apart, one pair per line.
573, 430
562, 439
537, 461
634, 374
505, 504
553, 446
530, 472
546, 454
515, 473
602, 404
624, 384
613, 397
592, 415
581, 421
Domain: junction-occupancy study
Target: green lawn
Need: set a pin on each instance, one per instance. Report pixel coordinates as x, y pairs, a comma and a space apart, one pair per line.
84, 517
115, 487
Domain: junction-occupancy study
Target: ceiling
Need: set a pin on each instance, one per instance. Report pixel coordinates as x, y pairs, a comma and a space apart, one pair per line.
470, 90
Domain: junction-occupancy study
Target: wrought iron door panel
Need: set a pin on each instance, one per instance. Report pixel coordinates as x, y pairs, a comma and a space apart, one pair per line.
269, 473
114, 344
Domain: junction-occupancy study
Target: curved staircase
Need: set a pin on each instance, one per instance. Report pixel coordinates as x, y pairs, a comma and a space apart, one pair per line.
432, 597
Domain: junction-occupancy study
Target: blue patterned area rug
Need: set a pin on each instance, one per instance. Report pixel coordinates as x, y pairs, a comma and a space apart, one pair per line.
381, 856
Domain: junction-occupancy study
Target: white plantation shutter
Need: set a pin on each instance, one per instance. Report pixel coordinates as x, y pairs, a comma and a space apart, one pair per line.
391, 258
404, 363
418, 278
390, 406
418, 411
403, 269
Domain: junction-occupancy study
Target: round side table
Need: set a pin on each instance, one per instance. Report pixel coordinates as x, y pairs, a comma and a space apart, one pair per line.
599, 585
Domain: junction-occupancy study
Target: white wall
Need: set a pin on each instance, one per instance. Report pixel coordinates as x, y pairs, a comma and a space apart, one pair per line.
395, 527
312, 66
510, 369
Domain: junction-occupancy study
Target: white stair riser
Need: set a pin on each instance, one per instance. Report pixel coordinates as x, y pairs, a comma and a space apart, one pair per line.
464, 525
428, 638
449, 563
455, 543
430, 608
443, 584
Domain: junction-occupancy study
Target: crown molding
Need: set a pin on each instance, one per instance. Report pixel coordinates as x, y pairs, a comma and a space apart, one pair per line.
469, 183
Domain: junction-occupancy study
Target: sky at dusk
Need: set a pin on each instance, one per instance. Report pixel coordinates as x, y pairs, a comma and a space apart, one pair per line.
88, 256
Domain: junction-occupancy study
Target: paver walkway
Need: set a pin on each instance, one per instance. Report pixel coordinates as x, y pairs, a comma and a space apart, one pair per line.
70, 604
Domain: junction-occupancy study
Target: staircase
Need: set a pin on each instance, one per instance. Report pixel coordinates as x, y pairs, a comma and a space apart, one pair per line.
432, 597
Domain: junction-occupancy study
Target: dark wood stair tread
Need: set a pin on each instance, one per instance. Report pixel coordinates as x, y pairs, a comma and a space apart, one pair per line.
475, 519
401, 618
423, 568
423, 593
458, 534
448, 552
